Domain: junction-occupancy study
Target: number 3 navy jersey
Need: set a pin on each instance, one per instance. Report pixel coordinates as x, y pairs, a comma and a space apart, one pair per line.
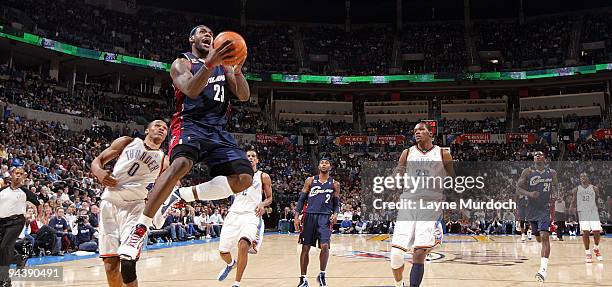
211, 107
136, 168
540, 181
320, 197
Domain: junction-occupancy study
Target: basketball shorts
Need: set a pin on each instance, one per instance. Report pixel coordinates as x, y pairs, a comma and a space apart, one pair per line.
589, 220
522, 212
316, 228
409, 235
213, 146
116, 223
540, 224
241, 225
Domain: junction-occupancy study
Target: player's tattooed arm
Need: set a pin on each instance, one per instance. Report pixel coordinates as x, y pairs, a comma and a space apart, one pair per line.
447, 160
266, 183
521, 185
237, 83
113, 151
401, 165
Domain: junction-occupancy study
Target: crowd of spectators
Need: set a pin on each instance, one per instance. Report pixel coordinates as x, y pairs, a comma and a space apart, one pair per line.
247, 118
536, 43
155, 34
57, 161
161, 34
360, 51
442, 45
30, 90
597, 27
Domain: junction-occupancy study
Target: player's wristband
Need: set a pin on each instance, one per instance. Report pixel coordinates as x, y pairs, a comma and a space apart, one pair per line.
236, 74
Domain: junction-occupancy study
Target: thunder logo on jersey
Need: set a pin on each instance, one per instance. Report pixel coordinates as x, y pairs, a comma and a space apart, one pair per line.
148, 158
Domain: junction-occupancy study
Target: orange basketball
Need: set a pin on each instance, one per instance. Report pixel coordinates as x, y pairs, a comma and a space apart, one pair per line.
240, 48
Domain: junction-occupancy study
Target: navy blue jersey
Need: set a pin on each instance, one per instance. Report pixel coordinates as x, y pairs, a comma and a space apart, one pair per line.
542, 183
320, 197
211, 107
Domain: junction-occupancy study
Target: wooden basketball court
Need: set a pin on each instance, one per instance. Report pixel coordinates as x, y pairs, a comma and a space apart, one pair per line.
361, 260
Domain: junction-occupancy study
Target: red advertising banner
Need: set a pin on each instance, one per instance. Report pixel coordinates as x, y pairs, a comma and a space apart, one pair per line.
433, 124
602, 133
351, 140
525, 137
474, 138
393, 139
268, 139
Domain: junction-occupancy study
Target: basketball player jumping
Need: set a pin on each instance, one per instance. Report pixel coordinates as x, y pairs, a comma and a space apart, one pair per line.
584, 198
243, 227
538, 183
322, 193
139, 163
203, 87
419, 230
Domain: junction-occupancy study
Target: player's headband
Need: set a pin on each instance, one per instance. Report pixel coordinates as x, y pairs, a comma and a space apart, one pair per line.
193, 31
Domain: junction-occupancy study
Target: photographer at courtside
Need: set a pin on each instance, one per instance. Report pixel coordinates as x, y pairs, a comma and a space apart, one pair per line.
85, 234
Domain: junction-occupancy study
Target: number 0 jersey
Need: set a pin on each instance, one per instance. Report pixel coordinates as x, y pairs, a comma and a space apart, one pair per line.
137, 167
247, 201
428, 167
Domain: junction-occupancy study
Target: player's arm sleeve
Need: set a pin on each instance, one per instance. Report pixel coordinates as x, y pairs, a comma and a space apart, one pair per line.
303, 196
336, 199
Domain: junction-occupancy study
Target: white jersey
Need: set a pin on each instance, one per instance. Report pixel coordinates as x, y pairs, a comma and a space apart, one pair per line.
585, 199
248, 200
137, 167
429, 167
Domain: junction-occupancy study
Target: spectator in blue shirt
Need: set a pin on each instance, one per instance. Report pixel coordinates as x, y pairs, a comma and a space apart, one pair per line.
59, 222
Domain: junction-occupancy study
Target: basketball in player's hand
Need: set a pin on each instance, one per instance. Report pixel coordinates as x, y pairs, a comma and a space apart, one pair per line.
240, 48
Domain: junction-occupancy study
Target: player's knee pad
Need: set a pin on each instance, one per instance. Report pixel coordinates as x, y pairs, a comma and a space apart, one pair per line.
128, 271
397, 258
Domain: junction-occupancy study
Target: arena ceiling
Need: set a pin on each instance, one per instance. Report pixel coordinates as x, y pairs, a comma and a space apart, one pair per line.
375, 11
